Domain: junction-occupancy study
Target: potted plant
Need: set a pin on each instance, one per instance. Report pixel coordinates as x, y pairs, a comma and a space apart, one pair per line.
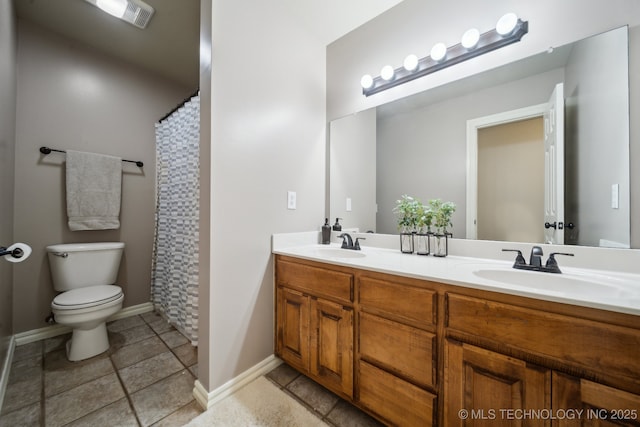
407, 211
442, 212
424, 221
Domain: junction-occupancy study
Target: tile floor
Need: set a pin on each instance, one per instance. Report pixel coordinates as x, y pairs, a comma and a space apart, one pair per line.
145, 379
321, 402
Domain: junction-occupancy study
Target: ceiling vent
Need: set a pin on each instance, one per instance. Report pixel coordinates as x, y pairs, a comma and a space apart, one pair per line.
135, 12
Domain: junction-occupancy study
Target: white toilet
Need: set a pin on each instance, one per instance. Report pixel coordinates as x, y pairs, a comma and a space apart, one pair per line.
85, 273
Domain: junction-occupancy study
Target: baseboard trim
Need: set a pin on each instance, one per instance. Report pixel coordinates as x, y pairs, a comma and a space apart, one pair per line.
55, 330
134, 310
6, 369
207, 399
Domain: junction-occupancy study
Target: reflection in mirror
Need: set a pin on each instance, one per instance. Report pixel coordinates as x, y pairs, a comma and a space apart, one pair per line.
419, 145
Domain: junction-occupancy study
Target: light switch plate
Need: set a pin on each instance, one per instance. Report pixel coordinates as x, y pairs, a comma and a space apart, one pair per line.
615, 191
348, 204
291, 200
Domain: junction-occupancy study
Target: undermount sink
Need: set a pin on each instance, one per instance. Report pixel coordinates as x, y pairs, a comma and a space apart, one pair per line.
559, 283
338, 253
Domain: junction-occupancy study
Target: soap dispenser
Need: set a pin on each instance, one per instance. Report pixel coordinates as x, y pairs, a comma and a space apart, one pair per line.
337, 226
326, 232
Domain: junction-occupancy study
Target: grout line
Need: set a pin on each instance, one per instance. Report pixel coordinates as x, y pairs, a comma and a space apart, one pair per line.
124, 389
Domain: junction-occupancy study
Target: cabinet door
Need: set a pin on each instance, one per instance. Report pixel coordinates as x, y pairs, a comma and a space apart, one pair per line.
292, 322
587, 403
486, 388
332, 345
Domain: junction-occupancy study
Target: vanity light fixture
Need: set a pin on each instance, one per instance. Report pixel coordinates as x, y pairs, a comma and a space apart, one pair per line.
135, 12
508, 30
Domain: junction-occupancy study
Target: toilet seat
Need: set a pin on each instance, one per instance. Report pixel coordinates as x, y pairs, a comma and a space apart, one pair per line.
90, 296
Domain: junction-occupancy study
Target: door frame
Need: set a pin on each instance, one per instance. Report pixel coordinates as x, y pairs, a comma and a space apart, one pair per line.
473, 126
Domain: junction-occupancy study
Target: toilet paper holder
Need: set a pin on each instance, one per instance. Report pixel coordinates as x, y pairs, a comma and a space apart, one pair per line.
16, 253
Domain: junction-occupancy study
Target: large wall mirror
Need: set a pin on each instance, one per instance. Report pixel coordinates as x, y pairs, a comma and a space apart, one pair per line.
480, 142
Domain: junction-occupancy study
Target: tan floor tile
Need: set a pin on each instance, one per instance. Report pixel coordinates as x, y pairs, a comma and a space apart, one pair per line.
27, 351
313, 394
147, 372
187, 354
173, 339
134, 353
164, 397
65, 375
25, 369
28, 416
56, 343
64, 408
130, 336
117, 414
283, 375
181, 417
346, 415
22, 392
124, 324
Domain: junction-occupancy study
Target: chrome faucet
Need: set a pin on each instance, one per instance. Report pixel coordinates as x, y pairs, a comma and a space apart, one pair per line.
535, 260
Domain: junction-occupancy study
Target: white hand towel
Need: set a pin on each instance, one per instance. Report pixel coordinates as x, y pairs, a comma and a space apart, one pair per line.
94, 184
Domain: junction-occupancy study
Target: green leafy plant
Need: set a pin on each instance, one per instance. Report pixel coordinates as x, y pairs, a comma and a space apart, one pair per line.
424, 219
407, 210
442, 212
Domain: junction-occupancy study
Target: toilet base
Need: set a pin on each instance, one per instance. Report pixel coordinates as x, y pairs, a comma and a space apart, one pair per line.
87, 343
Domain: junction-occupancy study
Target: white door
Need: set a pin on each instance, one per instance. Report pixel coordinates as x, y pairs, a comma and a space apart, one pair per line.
554, 168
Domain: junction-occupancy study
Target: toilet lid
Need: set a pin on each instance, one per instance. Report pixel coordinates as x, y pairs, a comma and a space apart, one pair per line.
87, 297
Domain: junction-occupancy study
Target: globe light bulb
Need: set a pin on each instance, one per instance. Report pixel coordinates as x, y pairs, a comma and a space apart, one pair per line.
438, 52
387, 72
366, 81
411, 62
506, 24
470, 38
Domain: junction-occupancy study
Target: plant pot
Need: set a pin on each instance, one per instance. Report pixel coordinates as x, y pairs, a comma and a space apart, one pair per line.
422, 243
441, 244
406, 243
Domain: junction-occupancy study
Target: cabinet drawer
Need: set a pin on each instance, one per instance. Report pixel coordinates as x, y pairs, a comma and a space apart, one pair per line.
319, 281
592, 345
394, 399
404, 350
402, 302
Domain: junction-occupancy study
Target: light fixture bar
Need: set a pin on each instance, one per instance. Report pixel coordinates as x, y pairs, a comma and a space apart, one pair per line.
490, 40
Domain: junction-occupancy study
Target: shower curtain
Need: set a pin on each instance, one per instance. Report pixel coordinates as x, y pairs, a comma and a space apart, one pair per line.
174, 277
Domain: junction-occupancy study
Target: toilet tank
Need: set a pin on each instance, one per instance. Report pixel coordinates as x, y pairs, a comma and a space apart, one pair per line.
77, 265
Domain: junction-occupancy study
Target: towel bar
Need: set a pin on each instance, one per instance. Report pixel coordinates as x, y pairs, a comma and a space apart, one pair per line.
47, 150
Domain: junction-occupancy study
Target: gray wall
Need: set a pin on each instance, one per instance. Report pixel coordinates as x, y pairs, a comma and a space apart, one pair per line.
352, 169
268, 136
596, 80
70, 97
7, 160
423, 153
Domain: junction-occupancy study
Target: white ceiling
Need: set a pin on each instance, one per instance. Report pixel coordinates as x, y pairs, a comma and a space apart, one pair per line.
169, 44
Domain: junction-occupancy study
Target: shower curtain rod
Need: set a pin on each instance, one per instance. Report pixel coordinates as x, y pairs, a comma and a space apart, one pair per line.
179, 105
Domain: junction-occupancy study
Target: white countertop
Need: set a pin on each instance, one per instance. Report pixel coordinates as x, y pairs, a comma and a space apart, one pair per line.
602, 289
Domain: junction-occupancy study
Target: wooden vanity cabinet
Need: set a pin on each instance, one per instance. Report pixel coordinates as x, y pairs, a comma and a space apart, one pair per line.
397, 349
314, 323
479, 383
418, 353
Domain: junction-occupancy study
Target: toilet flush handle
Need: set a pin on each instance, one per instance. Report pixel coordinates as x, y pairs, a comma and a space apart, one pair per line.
61, 254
